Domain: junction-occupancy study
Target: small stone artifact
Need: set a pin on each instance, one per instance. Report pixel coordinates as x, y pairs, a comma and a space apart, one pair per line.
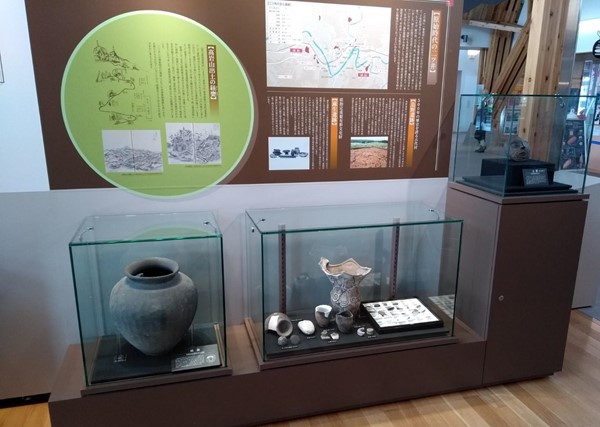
345, 278
306, 327
518, 150
154, 305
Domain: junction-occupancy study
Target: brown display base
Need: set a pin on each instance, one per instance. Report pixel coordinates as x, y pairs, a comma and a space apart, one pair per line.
250, 396
518, 267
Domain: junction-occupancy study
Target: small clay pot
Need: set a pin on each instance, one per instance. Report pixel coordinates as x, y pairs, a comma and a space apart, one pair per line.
344, 321
322, 315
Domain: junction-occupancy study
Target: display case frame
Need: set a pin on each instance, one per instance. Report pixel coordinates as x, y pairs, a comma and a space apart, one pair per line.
134, 334
411, 251
515, 145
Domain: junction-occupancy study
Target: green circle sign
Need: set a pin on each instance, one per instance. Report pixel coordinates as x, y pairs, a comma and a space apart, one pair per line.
157, 104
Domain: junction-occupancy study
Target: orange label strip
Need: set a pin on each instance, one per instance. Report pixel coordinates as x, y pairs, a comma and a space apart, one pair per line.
333, 133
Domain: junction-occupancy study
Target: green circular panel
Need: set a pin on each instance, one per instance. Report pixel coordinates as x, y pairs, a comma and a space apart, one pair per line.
157, 104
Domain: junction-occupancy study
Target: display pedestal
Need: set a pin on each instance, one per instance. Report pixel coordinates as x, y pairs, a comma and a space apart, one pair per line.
251, 396
513, 171
519, 260
506, 177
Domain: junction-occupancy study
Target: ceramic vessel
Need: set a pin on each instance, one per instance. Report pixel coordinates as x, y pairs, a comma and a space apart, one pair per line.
279, 323
154, 305
322, 313
345, 277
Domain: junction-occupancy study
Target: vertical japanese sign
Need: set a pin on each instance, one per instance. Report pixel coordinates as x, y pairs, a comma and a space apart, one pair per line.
434, 47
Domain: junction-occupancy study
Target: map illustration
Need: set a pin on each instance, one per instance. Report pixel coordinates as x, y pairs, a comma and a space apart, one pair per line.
320, 45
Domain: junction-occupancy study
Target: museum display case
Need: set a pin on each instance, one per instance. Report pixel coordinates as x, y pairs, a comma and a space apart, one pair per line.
513, 145
328, 278
150, 296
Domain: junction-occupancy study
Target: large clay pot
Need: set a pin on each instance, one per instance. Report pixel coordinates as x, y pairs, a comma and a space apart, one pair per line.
345, 277
153, 305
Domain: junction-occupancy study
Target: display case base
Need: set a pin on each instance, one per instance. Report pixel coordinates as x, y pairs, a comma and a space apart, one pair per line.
119, 366
508, 177
379, 343
497, 185
251, 396
331, 339
116, 359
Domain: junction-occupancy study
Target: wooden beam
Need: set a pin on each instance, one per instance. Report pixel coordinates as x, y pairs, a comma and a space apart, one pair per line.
514, 66
514, 28
505, 15
497, 54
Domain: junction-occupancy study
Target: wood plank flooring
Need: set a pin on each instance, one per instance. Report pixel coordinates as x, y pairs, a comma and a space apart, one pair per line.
25, 416
569, 398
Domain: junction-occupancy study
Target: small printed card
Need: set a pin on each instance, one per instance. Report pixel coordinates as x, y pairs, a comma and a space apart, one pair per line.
537, 176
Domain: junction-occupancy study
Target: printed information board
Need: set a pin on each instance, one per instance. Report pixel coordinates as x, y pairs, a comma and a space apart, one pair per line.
147, 110
166, 103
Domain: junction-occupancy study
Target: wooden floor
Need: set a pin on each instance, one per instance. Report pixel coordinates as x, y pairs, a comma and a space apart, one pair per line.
569, 398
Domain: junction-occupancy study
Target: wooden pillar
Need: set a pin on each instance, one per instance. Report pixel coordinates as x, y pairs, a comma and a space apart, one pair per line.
544, 52
542, 69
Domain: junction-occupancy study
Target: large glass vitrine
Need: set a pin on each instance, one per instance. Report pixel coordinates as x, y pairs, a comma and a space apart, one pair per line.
150, 295
514, 145
338, 277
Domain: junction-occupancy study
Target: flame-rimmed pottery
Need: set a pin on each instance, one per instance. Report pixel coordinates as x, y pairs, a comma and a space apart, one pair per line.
345, 277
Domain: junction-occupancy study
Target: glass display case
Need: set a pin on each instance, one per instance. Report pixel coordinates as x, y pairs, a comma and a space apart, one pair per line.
150, 295
514, 145
337, 277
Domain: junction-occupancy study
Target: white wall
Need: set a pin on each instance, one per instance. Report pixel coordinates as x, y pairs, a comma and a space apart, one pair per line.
587, 34
477, 38
465, 106
22, 159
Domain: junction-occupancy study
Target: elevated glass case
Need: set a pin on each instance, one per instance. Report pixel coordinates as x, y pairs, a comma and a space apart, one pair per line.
331, 278
514, 145
150, 296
